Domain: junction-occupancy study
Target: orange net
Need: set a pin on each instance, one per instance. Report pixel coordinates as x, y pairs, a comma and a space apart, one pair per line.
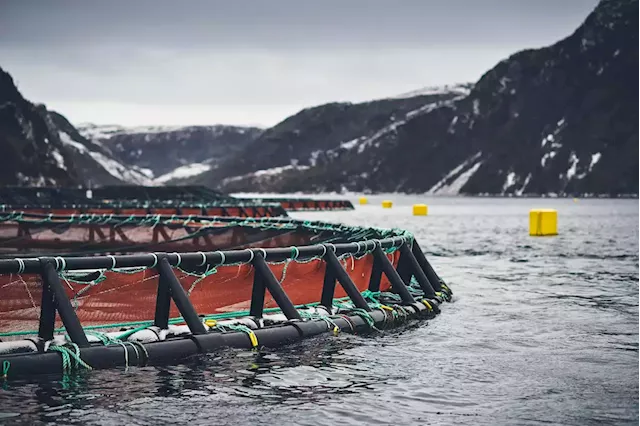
64, 237
118, 296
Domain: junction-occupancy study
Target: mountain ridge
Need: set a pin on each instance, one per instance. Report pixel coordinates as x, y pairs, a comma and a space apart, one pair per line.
570, 107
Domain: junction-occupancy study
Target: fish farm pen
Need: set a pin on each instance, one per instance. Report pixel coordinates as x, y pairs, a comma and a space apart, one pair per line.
112, 280
154, 200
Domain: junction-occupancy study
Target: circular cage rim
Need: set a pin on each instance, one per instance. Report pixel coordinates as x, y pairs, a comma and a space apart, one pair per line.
196, 258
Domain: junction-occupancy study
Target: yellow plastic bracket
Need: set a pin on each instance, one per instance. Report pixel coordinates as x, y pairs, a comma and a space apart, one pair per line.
254, 339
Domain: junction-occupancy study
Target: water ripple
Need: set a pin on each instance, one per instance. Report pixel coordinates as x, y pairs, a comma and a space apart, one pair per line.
542, 331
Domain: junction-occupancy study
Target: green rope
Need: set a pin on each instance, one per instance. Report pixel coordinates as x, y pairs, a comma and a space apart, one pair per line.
5, 369
67, 355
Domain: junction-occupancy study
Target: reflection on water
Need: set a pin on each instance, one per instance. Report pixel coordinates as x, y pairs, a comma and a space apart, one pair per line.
543, 330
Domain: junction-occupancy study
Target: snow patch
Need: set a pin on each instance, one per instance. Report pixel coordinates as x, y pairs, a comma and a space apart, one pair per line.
266, 172
509, 182
524, 185
476, 107
594, 160
351, 144
462, 89
546, 157
183, 172
454, 120
548, 138
573, 166
442, 183
423, 110
59, 159
112, 167
313, 160
454, 187
277, 170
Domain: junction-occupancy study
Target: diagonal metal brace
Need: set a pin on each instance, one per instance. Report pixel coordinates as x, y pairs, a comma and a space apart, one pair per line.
169, 281
394, 278
54, 298
264, 279
414, 267
335, 268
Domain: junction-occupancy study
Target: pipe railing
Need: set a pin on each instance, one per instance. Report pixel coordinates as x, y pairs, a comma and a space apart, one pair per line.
194, 259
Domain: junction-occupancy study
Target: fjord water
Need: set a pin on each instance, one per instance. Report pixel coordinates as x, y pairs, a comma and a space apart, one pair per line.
542, 331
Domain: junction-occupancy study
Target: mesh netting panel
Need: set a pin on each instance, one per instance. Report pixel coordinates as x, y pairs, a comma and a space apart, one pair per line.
68, 237
113, 297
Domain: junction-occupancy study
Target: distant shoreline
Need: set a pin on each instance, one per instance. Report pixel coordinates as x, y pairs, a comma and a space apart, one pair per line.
359, 194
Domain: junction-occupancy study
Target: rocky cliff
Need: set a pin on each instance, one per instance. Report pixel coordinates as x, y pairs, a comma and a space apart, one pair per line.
561, 119
41, 148
172, 153
318, 135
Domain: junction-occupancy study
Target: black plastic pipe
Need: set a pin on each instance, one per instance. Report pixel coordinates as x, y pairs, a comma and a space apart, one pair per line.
32, 265
61, 301
180, 297
257, 296
434, 279
376, 275
394, 278
345, 280
271, 283
178, 348
163, 305
328, 288
47, 323
414, 266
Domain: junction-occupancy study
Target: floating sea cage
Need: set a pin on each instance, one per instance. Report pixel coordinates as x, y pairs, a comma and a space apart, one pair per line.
200, 193
100, 291
180, 200
188, 201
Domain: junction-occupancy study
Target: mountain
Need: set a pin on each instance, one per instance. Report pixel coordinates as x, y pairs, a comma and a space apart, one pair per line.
175, 152
557, 120
41, 148
32, 151
314, 136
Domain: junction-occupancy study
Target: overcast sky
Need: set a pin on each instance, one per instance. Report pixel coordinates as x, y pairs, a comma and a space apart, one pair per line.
135, 62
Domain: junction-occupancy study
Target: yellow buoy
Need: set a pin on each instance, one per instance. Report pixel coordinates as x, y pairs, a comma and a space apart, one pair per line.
363, 200
543, 222
386, 204
420, 209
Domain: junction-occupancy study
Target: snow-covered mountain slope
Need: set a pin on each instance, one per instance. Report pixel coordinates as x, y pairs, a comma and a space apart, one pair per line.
462, 89
163, 150
95, 163
557, 120
42, 148
183, 172
314, 135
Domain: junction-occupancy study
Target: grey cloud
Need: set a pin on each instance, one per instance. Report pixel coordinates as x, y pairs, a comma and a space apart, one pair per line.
287, 23
249, 61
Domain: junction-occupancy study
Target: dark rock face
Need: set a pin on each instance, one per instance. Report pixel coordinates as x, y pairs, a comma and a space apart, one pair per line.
163, 149
562, 119
316, 135
32, 153
42, 148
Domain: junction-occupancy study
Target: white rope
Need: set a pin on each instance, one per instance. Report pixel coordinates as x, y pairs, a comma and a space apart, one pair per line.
264, 253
